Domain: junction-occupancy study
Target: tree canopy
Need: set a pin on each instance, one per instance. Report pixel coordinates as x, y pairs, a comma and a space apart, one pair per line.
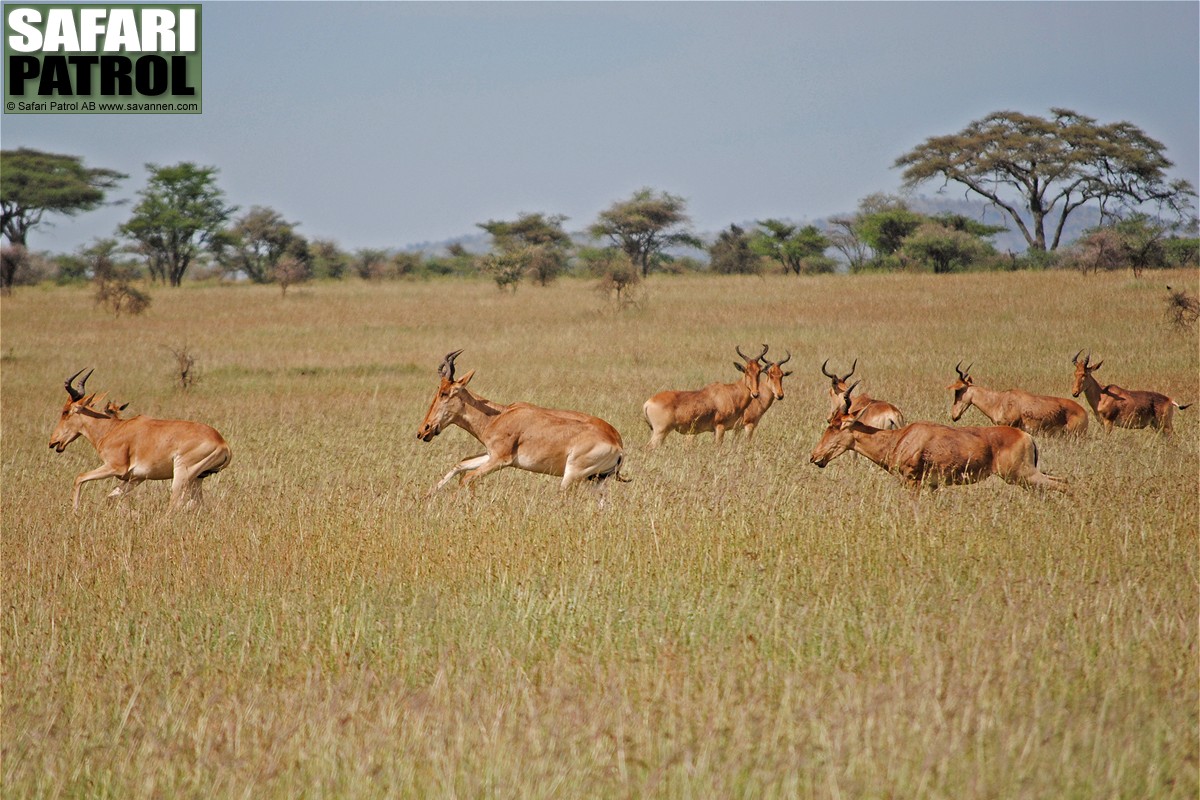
257, 242
645, 225
181, 214
798, 250
1034, 168
535, 244
33, 183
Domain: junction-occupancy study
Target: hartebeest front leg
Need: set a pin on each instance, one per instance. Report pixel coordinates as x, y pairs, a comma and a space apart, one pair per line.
463, 466
98, 474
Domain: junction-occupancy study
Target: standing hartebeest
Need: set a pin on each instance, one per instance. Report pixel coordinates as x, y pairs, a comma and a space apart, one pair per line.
1125, 408
925, 453
1016, 408
875, 413
717, 407
568, 444
770, 389
140, 448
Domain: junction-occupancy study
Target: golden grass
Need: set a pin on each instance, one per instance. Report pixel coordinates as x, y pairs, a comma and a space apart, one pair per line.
737, 623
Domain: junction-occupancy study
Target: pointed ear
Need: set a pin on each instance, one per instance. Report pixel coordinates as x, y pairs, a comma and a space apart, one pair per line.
122, 408
738, 367
846, 421
465, 379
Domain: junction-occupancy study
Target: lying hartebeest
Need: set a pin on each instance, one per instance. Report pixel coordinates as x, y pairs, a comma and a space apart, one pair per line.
876, 413
568, 444
717, 407
1125, 408
1016, 408
927, 454
770, 389
140, 448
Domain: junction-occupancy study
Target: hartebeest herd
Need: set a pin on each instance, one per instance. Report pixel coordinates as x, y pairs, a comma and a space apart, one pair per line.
579, 447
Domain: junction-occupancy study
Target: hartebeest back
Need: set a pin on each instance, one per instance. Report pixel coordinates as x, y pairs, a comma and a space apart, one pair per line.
567, 444
717, 407
1125, 408
140, 448
875, 413
927, 454
1016, 408
770, 389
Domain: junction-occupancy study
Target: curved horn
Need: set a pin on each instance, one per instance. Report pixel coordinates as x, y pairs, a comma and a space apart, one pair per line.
847, 395
826, 372
853, 366
786, 358
762, 355
76, 394
1075, 358
446, 370
962, 374
745, 357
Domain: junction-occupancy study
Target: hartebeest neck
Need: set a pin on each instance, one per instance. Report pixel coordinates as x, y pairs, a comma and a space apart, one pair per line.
94, 426
476, 414
1091, 390
874, 443
986, 400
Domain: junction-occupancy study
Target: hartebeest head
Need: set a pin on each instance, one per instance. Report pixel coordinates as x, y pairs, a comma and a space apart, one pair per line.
69, 428
837, 438
447, 402
775, 373
1083, 371
752, 369
960, 387
837, 385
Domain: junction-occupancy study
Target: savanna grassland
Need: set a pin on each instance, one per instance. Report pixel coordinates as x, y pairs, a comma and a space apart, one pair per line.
737, 622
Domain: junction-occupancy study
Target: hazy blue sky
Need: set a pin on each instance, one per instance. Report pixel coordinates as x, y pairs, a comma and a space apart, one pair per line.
383, 124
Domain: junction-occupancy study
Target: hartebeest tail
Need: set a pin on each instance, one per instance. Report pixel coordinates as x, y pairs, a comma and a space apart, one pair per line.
716, 408
139, 448
567, 444
1016, 408
875, 413
1124, 408
927, 454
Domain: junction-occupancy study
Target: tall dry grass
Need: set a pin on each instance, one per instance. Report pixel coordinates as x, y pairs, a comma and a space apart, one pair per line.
737, 623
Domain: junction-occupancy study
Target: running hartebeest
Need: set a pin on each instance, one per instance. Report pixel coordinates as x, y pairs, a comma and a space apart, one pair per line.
567, 444
717, 407
1125, 408
928, 454
875, 413
1016, 408
770, 389
140, 448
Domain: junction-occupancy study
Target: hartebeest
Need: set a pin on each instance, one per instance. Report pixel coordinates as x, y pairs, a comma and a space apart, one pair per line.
770, 389
1125, 408
139, 448
875, 413
1016, 408
717, 407
568, 444
928, 454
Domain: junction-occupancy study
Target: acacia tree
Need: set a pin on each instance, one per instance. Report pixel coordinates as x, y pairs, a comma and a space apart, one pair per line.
258, 240
533, 243
1034, 168
181, 214
33, 183
731, 253
645, 225
798, 250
